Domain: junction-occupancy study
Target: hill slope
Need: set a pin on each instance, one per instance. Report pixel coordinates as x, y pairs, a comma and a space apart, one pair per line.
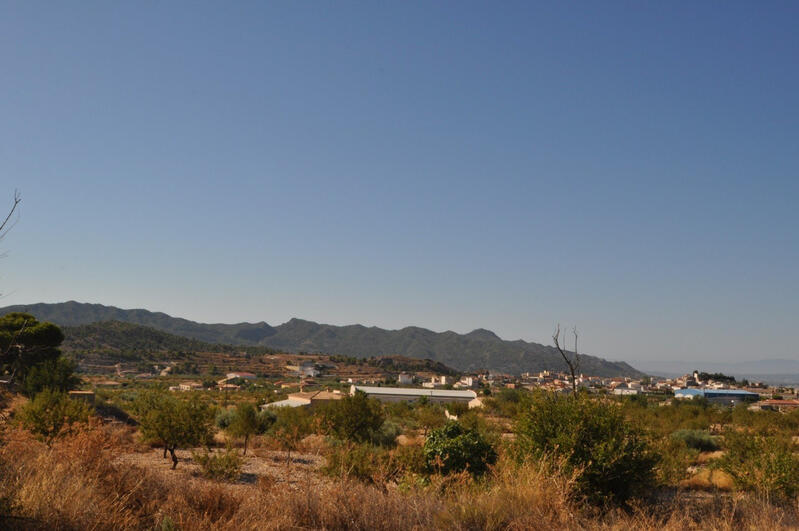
117, 336
480, 349
75, 313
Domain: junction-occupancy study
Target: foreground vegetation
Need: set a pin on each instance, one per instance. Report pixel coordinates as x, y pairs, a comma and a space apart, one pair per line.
77, 484
565, 463
144, 457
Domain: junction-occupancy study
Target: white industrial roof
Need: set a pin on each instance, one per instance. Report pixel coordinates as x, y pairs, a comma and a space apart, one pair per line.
289, 402
413, 391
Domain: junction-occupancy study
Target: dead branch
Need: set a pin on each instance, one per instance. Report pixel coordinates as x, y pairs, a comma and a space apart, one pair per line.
572, 363
4, 226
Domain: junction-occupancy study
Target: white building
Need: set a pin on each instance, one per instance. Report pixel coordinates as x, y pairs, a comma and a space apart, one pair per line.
405, 379
409, 394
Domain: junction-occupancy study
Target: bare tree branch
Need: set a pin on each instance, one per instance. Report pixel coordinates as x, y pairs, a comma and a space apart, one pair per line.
572, 364
4, 226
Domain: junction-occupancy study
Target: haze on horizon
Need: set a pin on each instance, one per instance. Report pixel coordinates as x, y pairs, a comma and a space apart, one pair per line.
631, 169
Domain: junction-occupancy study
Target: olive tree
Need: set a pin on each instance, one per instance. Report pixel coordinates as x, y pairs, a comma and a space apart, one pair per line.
246, 422
291, 425
174, 423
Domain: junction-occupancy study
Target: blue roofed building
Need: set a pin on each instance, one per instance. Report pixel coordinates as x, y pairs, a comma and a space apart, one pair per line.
728, 397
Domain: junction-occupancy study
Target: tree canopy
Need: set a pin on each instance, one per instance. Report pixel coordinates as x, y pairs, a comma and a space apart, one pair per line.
246, 421
174, 423
29, 353
25, 342
356, 417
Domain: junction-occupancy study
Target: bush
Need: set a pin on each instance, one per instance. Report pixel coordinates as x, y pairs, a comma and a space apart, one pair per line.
675, 458
356, 418
766, 465
696, 439
611, 457
57, 374
224, 418
387, 434
453, 448
219, 465
373, 464
52, 413
357, 461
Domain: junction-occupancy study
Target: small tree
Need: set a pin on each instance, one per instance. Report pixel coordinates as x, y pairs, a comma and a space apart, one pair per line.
245, 423
430, 417
291, 425
174, 423
25, 342
454, 448
52, 413
356, 418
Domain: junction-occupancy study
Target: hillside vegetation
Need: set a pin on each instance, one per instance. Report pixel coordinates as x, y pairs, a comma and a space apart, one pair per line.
480, 349
116, 336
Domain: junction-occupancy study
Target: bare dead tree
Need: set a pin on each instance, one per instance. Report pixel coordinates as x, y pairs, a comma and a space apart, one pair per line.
573, 363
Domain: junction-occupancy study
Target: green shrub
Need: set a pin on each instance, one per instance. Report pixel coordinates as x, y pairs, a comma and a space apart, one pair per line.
609, 455
57, 374
219, 465
765, 465
359, 461
373, 464
387, 434
410, 459
696, 439
266, 418
675, 458
355, 418
224, 417
52, 413
454, 448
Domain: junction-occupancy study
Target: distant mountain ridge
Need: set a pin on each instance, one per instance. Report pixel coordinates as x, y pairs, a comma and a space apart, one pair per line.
773, 371
479, 349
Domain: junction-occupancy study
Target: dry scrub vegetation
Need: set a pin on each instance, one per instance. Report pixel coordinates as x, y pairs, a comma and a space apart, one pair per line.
80, 483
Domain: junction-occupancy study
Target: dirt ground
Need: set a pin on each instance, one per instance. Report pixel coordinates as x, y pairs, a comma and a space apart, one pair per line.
261, 467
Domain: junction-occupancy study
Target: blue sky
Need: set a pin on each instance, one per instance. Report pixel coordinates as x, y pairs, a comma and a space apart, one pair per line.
627, 167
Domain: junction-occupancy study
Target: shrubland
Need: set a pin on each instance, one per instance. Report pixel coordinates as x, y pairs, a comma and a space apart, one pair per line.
525, 461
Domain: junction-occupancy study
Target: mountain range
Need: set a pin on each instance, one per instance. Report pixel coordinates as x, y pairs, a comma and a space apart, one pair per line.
479, 349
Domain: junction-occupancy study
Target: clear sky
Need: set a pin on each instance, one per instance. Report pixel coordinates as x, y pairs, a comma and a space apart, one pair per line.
629, 167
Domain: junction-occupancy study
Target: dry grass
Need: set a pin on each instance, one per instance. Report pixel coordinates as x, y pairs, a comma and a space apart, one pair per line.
706, 457
82, 482
709, 479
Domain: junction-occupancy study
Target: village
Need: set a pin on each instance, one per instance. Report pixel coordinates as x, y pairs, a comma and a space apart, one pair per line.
299, 380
